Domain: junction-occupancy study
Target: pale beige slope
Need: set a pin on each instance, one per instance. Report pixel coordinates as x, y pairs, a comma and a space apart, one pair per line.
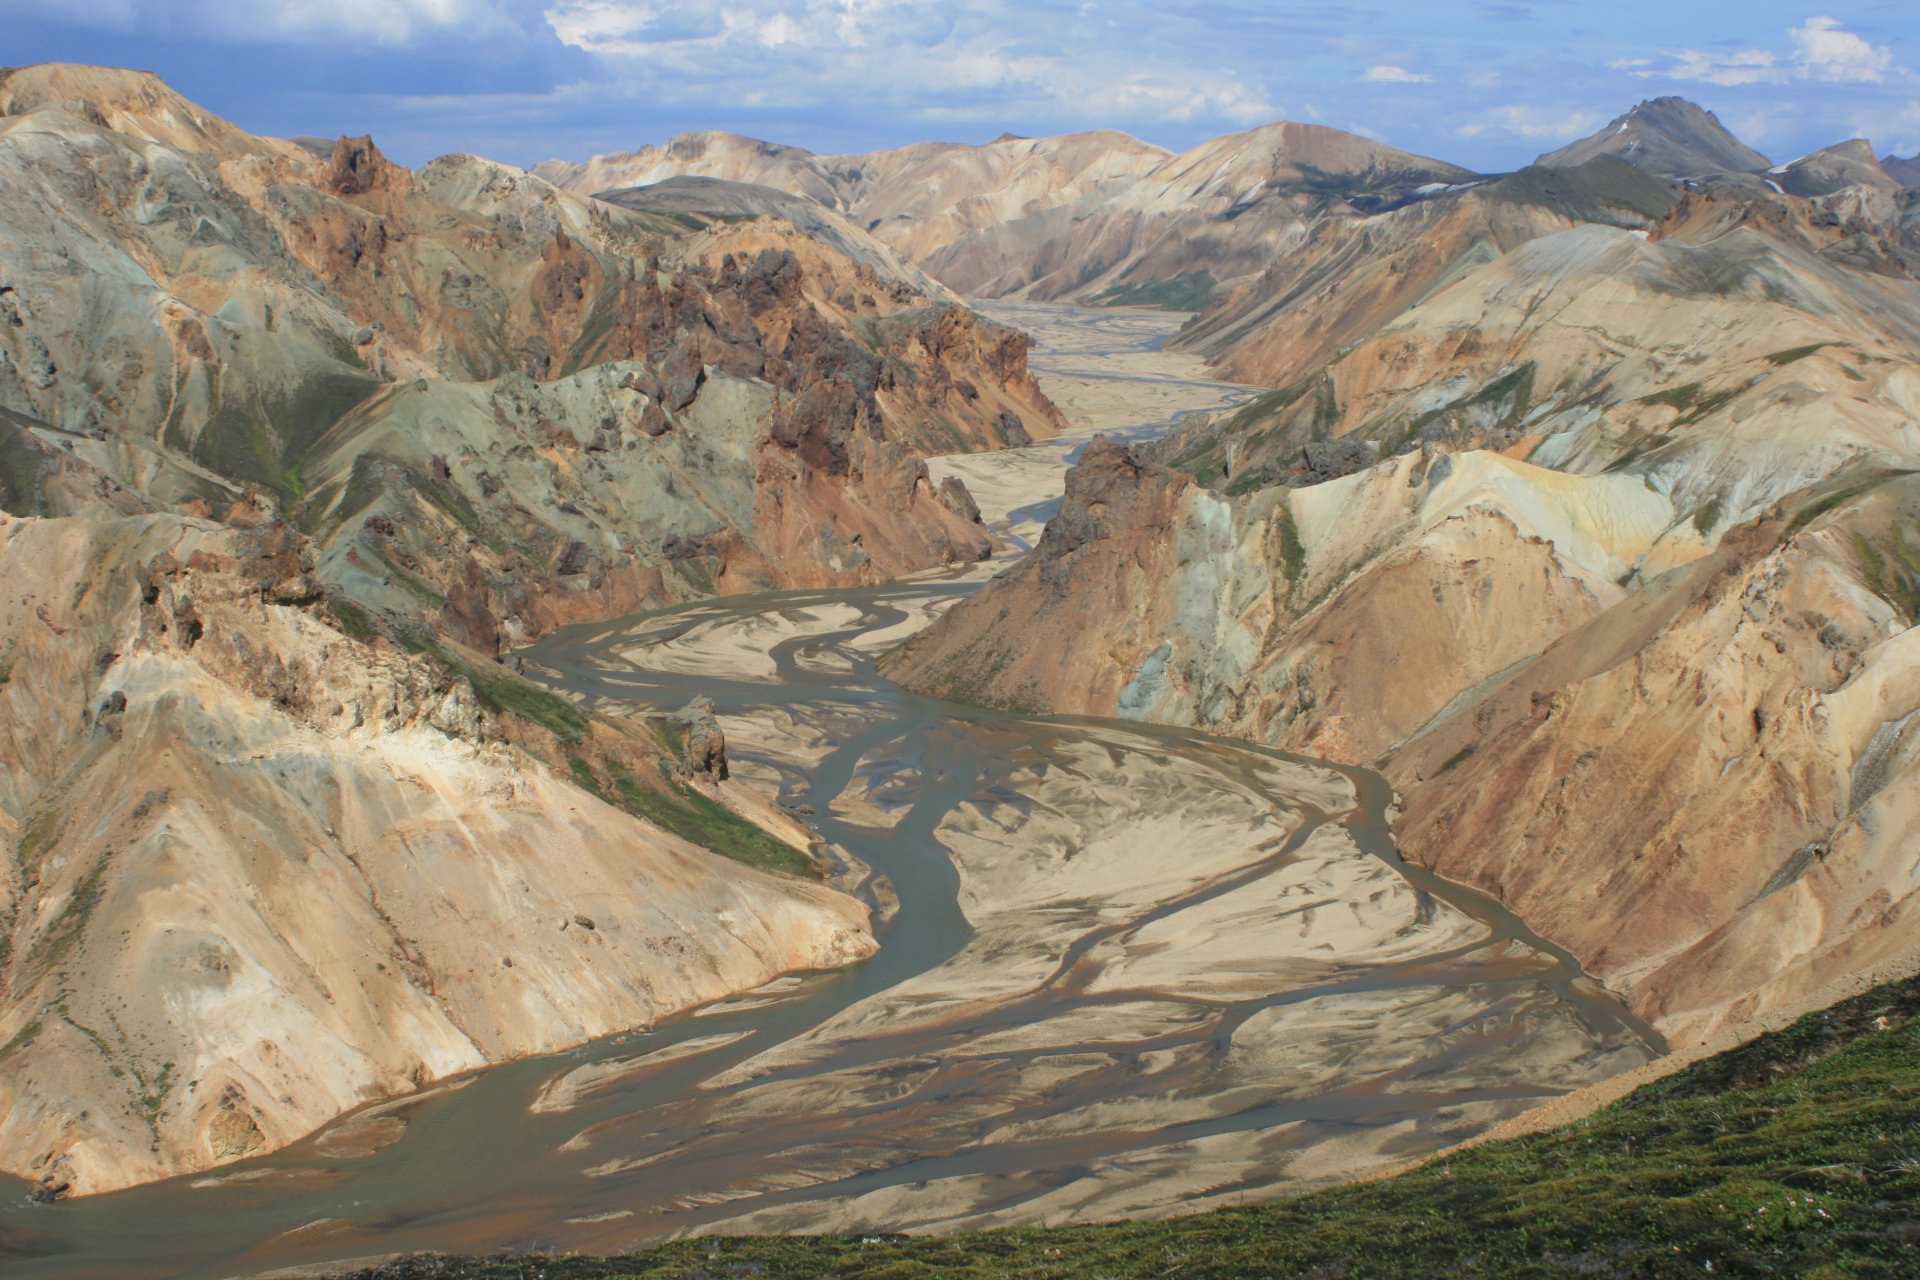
1726, 372
1085, 215
1709, 793
291, 873
1336, 619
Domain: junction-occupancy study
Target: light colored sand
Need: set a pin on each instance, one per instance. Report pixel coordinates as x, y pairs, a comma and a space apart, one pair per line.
568, 1090
1098, 388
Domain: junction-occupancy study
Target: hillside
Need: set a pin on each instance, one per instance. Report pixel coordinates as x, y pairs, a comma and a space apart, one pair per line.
294, 443
1786, 1156
1606, 525
1097, 216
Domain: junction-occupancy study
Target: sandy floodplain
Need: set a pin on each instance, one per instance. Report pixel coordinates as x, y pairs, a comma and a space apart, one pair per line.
1124, 970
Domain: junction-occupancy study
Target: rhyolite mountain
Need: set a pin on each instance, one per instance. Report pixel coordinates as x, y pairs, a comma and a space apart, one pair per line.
293, 441
1578, 499
1582, 507
1092, 216
1670, 137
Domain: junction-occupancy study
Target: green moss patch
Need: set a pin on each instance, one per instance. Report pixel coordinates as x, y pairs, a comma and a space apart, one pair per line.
700, 819
1188, 292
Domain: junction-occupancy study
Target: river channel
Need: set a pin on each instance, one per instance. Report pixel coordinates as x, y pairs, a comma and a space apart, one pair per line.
1124, 969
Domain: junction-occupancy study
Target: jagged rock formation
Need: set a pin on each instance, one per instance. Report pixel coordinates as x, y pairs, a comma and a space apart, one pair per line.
1670, 137
496, 371
280, 837
1095, 216
260, 871
1587, 538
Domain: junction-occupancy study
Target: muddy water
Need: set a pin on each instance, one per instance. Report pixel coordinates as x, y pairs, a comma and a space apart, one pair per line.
1078, 1007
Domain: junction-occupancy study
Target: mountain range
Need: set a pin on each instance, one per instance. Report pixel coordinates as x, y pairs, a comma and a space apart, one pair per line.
1578, 500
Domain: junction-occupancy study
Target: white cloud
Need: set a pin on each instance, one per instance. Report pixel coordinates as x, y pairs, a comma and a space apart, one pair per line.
1829, 52
1387, 74
1746, 66
245, 21
1822, 50
386, 21
933, 60
1554, 123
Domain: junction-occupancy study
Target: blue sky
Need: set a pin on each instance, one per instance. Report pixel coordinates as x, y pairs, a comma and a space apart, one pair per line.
1488, 84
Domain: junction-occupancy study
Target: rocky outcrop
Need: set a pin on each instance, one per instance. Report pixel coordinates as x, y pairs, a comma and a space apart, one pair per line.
1619, 600
1705, 791
258, 871
706, 750
499, 406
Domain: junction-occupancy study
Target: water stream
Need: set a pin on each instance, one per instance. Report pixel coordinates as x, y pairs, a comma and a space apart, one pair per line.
1131, 968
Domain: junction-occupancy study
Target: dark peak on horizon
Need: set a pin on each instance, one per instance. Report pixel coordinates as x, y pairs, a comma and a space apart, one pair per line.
1669, 136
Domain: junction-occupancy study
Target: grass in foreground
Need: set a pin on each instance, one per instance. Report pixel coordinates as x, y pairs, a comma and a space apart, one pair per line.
1797, 1154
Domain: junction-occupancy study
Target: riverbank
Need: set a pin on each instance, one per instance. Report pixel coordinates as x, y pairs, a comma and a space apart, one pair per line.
1125, 971
1791, 1155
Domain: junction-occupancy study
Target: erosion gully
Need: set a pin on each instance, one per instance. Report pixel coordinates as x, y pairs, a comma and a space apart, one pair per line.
473, 1166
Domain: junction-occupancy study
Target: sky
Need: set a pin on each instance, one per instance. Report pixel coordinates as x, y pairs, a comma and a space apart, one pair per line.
1484, 83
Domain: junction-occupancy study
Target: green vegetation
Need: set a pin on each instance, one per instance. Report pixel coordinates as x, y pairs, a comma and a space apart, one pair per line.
1203, 455
338, 345
598, 325
365, 483
499, 688
443, 495
583, 777
1814, 510
1680, 397
23, 463
1792, 354
1188, 292
21, 1039
1511, 394
700, 819
1795, 1155
354, 620
261, 435
412, 585
1891, 571
1707, 516
63, 935
154, 1100
504, 691
1447, 765
1292, 551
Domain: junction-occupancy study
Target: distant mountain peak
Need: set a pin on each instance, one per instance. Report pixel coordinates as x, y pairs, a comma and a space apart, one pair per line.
1668, 136
1906, 171
1830, 169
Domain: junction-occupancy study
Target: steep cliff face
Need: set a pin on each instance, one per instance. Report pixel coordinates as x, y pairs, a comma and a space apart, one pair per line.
1593, 548
260, 871
1709, 792
280, 836
1334, 620
527, 386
